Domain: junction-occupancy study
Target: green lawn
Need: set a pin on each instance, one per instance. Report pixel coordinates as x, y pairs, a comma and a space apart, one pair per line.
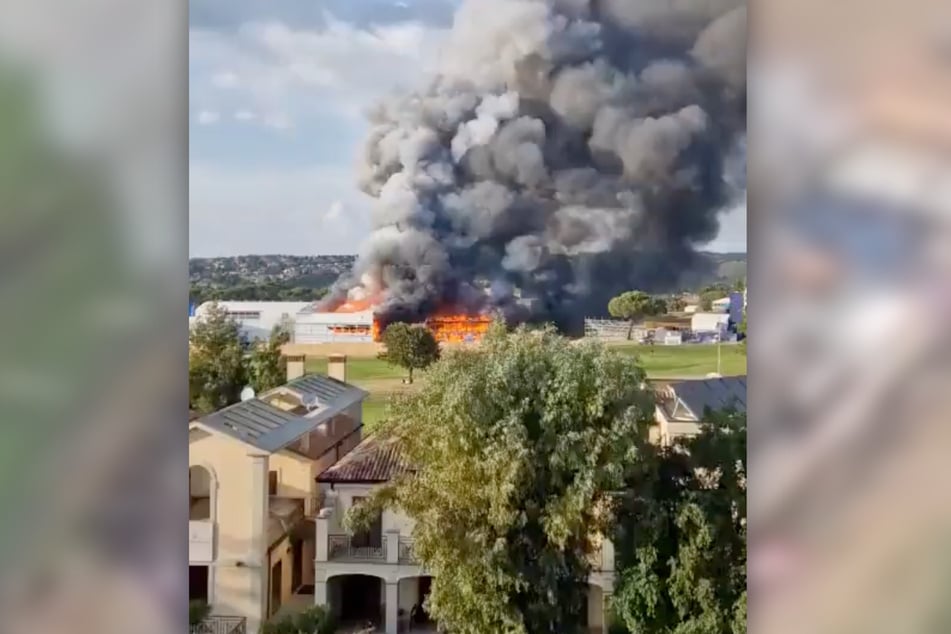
381, 379
687, 361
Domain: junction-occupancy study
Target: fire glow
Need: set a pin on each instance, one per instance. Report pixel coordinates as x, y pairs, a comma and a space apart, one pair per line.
447, 326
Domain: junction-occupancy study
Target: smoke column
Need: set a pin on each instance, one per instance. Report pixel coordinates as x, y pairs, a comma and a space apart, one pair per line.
566, 151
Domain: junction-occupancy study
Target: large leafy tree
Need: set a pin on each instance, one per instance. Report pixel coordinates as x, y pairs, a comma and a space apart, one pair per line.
410, 347
515, 447
681, 542
634, 306
675, 304
267, 366
216, 372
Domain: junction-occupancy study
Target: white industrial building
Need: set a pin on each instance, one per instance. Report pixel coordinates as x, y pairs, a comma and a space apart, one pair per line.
721, 305
710, 323
256, 319
314, 327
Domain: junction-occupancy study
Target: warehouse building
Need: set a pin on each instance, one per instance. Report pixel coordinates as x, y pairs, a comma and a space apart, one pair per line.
256, 319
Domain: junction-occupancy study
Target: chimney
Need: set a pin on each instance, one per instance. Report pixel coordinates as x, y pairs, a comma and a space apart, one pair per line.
295, 366
337, 367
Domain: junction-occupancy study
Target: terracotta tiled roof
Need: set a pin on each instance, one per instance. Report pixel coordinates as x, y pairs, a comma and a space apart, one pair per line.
376, 459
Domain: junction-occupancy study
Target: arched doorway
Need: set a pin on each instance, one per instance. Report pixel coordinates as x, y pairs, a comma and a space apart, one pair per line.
200, 492
356, 600
413, 593
201, 515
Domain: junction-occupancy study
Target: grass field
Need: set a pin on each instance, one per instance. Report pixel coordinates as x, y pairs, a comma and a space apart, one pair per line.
660, 362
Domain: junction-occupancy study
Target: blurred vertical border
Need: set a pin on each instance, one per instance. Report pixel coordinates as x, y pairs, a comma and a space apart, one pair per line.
93, 289
850, 296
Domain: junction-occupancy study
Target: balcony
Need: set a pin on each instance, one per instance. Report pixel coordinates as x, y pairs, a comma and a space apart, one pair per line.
201, 542
406, 555
346, 548
220, 625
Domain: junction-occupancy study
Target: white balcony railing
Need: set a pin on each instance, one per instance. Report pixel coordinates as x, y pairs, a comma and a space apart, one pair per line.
201, 541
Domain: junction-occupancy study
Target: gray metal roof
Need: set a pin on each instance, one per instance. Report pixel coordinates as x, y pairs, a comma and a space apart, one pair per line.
270, 428
714, 394
324, 388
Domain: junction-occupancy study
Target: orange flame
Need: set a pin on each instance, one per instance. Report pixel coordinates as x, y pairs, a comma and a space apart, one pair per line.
356, 306
458, 328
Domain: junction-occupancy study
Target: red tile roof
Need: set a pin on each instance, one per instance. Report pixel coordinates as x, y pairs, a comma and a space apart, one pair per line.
376, 459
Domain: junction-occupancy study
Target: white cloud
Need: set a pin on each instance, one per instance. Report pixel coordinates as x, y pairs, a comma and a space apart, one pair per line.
244, 115
334, 212
339, 69
244, 209
208, 117
278, 121
226, 79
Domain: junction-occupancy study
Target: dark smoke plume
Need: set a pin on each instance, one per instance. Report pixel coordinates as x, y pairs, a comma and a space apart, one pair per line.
568, 150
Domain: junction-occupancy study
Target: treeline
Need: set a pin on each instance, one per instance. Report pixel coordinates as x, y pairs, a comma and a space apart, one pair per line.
267, 292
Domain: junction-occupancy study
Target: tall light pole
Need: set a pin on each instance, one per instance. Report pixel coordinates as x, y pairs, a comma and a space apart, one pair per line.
719, 341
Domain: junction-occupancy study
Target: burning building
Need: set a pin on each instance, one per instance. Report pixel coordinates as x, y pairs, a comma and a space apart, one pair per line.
565, 150
364, 323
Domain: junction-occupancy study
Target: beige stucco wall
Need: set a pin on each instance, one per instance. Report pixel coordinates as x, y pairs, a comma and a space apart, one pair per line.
284, 554
392, 520
595, 607
295, 478
232, 586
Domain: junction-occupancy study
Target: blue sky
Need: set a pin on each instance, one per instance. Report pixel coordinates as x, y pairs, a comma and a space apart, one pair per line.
278, 89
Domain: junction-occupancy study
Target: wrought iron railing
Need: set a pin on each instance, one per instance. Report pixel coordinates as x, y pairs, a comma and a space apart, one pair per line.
406, 551
343, 547
220, 625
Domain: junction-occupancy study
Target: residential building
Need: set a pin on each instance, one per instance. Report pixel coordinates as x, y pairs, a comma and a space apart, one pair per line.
372, 576
682, 405
254, 496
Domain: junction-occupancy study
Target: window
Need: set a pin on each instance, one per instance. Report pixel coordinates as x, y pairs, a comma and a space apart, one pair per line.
272, 483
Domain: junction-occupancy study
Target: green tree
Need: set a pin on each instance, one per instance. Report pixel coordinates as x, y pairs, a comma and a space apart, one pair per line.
634, 306
675, 304
267, 366
515, 447
216, 372
410, 347
681, 539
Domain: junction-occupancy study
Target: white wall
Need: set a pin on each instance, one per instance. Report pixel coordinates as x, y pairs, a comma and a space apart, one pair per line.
318, 327
391, 520
271, 314
709, 322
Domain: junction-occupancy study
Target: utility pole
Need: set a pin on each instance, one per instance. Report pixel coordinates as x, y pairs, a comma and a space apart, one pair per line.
719, 341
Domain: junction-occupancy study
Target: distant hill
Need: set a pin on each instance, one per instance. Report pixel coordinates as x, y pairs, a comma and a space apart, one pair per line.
729, 266
714, 268
306, 277
265, 277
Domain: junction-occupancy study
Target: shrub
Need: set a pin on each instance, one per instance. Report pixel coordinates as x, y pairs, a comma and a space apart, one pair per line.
315, 620
197, 612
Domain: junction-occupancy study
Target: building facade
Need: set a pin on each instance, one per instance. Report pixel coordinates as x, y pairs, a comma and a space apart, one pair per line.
254, 497
373, 576
256, 319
